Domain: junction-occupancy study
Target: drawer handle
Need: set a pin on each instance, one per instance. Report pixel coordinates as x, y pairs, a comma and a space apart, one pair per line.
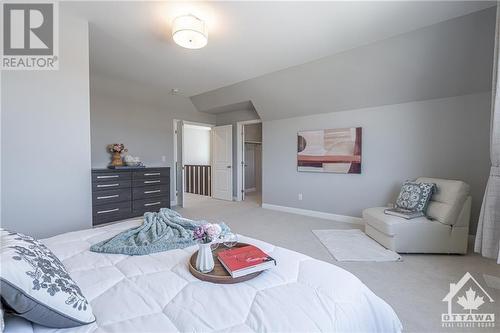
108, 196
152, 204
155, 191
108, 211
151, 181
103, 177
108, 185
152, 174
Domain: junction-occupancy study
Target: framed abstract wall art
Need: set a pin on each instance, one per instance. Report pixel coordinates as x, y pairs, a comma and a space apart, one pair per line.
330, 150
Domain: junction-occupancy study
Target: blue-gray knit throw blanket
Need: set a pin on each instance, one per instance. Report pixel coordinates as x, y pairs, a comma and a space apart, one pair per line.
162, 231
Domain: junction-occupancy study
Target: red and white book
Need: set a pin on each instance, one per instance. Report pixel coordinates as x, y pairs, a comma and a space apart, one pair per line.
245, 260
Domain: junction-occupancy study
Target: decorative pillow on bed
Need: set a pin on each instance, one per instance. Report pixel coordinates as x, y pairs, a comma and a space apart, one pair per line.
36, 286
415, 196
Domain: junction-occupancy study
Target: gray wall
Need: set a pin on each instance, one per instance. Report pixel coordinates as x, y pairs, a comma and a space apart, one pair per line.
46, 141
445, 138
451, 58
141, 117
231, 118
392, 88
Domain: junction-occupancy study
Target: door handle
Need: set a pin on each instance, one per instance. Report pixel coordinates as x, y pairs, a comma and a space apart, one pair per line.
229, 167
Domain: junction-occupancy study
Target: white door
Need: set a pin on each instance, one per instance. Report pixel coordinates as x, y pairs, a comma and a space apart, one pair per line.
222, 166
179, 165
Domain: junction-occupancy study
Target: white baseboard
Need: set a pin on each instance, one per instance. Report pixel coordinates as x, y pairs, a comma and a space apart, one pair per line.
173, 203
315, 213
251, 189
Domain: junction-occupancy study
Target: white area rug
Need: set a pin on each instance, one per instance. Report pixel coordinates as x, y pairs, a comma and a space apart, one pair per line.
354, 245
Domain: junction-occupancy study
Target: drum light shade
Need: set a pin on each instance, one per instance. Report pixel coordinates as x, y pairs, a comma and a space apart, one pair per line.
190, 32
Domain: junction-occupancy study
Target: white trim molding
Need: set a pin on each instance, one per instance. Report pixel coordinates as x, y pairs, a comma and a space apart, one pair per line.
251, 189
315, 213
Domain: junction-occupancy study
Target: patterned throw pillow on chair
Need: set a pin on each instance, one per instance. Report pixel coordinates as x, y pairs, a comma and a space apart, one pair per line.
35, 285
415, 196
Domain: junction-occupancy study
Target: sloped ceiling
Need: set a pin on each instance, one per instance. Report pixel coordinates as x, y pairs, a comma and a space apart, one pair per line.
446, 59
246, 105
131, 40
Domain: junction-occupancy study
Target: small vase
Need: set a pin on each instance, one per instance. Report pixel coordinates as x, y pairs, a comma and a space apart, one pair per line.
117, 159
205, 259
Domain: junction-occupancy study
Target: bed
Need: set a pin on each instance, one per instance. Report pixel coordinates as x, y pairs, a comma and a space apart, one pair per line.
156, 293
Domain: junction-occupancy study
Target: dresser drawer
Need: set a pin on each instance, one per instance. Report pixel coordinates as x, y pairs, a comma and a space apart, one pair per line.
107, 176
150, 192
150, 182
109, 196
111, 185
119, 194
111, 212
152, 173
150, 205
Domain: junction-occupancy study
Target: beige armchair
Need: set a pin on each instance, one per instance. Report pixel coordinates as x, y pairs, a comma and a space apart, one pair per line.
445, 229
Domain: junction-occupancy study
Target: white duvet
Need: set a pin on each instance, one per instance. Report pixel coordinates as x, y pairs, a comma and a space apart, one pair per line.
156, 293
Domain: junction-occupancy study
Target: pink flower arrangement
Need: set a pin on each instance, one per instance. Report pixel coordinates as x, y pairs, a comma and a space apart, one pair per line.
207, 233
117, 148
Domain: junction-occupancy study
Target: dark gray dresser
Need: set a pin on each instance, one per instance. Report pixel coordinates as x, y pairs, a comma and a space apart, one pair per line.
119, 194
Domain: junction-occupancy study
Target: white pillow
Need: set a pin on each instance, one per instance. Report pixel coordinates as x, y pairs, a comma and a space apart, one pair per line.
36, 286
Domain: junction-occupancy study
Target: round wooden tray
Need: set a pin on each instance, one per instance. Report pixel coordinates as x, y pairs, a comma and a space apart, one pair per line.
219, 273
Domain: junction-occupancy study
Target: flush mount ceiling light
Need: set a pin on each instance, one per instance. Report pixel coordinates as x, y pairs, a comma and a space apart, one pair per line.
190, 32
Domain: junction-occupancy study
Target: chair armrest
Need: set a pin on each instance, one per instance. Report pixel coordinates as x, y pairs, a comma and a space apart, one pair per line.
463, 219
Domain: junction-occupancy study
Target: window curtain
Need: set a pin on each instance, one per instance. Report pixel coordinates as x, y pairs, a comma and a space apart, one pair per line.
488, 229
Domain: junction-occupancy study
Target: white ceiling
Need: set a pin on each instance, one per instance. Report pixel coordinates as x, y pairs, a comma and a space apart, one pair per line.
132, 40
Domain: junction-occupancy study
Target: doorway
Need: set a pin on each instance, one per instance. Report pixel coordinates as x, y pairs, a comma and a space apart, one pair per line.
250, 154
203, 162
197, 161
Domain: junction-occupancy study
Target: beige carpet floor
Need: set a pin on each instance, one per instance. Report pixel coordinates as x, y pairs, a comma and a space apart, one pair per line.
414, 288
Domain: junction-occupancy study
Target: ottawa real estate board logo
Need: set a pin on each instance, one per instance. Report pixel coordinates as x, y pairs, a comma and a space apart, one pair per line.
469, 305
30, 36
